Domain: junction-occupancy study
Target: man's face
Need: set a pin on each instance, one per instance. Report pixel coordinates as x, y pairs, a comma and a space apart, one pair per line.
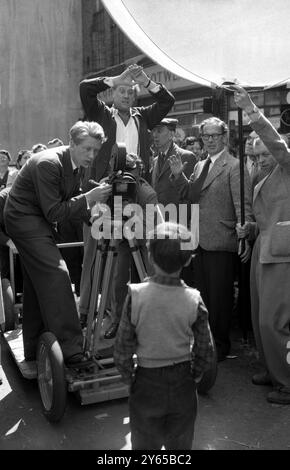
84, 153
24, 158
265, 159
162, 136
123, 97
213, 138
4, 160
249, 143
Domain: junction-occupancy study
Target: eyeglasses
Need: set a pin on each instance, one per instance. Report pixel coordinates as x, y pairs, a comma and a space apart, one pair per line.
263, 155
214, 137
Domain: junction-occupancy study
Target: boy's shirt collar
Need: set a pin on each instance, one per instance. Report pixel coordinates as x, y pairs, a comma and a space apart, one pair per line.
166, 280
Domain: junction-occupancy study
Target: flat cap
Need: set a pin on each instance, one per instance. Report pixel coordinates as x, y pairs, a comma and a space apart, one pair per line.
170, 123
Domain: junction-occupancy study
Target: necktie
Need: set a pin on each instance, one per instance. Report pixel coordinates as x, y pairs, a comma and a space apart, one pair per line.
198, 183
254, 173
75, 171
161, 159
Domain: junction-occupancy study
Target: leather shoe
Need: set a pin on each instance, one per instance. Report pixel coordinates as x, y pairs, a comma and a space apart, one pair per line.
262, 378
79, 361
111, 331
281, 396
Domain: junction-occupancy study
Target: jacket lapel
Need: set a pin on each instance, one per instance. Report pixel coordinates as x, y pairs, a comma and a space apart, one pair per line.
155, 171
217, 168
258, 186
166, 167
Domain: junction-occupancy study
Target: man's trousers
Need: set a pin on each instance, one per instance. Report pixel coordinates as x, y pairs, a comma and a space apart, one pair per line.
214, 273
48, 301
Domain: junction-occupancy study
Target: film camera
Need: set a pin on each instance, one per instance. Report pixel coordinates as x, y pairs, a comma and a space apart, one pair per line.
123, 181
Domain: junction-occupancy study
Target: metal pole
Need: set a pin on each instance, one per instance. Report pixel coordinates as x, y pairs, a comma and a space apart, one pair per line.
242, 280
241, 153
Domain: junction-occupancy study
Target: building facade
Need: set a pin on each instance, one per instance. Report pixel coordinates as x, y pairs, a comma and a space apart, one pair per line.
40, 70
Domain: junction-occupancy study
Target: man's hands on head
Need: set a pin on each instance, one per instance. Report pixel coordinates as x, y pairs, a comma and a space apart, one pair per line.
138, 75
134, 74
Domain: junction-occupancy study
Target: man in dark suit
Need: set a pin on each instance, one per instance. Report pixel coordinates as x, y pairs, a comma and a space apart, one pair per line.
215, 185
162, 182
46, 192
163, 138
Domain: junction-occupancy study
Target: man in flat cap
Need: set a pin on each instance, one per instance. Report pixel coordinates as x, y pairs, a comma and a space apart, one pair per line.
163, 138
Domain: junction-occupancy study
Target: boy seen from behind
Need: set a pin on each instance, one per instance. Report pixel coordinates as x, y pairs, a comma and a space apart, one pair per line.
165, 324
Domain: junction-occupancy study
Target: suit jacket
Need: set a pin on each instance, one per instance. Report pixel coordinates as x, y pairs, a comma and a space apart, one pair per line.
161, 181
145, 117
271, 202
44, 192
219, 202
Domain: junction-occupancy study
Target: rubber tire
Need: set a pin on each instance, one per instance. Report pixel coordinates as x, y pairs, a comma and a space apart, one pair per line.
209, 377
8, 303
53, 400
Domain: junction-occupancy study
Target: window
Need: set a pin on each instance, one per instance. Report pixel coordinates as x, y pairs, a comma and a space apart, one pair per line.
98, 40
117, 45
272, 97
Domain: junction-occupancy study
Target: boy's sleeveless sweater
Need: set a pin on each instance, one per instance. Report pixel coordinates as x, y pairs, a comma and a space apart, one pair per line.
163, 316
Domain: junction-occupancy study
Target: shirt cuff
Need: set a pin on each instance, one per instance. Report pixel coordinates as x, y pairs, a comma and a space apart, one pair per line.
109, 81
88, 205
156, 89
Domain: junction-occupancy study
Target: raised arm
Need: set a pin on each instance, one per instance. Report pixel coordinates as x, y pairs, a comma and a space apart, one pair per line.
265, 130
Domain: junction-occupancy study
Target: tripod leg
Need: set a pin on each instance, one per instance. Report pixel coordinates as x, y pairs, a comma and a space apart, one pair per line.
95, 291
135, 251
105, 291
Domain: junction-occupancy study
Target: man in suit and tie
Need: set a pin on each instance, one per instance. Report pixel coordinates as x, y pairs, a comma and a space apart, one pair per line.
47, 191
215, 185
163, 138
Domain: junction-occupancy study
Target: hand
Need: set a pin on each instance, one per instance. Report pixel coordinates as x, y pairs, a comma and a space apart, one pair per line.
104, 180
243, 231
176, 165
246, 254
198, 379
125, 78
138, 75
242, 99
11, 245
99, 194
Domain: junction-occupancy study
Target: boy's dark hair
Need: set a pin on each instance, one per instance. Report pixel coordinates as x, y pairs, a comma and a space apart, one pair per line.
170, 246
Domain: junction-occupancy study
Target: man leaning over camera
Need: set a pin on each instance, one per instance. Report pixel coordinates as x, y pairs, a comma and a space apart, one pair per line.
44, 193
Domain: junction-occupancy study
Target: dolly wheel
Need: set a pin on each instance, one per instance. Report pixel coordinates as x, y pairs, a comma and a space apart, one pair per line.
51, 377
209, 377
